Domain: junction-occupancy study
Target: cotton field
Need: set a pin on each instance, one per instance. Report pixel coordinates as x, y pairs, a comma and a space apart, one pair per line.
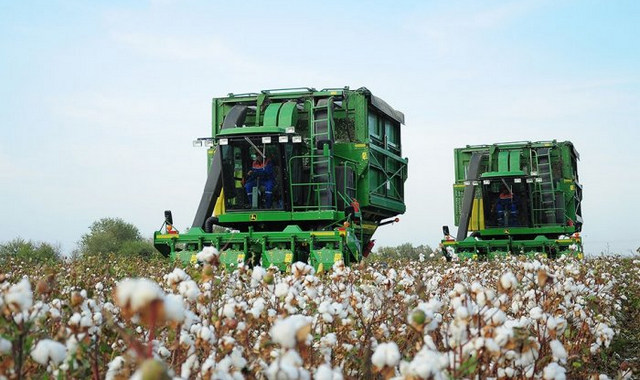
105, 318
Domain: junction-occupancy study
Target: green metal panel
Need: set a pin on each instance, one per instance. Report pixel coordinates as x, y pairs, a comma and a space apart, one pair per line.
514, 160
288, 115
271, 115
503, 161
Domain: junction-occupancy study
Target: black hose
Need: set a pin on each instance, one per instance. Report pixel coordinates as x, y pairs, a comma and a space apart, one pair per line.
209, 223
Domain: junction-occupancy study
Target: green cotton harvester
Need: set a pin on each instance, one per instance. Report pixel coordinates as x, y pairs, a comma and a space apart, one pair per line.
295, 175
518, 198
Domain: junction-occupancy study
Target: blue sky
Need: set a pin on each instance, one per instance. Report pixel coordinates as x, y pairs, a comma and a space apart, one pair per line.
99, 101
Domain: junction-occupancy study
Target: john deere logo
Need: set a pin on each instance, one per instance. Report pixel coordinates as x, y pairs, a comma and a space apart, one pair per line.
253, 217
506, 232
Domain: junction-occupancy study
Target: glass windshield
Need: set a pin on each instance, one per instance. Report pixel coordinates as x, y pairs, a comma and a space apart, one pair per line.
506, 203
252, 174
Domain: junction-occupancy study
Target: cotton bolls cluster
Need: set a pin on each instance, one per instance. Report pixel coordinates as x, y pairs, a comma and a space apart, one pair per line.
425, 319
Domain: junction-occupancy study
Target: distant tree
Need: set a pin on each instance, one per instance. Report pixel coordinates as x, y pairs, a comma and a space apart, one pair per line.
29, 250
404, 251
114, 235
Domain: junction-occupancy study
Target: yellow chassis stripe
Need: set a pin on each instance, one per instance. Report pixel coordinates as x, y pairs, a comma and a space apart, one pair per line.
325, 233
167, 236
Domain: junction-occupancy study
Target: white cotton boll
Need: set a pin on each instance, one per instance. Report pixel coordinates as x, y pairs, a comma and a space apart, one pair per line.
258, 307
86, 321
5, 346
229, 310
288, 366
498, 317
258, 273
75, 319
329, 340
462, 312
427, 364
188, 365
164, 352
433, 305
178, 275
554, 372
189, 290
114, 367
49, 350
19, 297
386, 354
195, 329
558, 351
481, 299
97, 319
503, 335
174, 308
207, 255
508, 281
301, 269
54, 313
604, 334
551, 323
459, 288
285, 331
206, 334
99, 287
325, 372
536, 313
491, 345
476, 287
138, 293
282, 289
237, 360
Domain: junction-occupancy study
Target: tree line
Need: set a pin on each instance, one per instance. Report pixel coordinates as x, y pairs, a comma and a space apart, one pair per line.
114, 235
107, 235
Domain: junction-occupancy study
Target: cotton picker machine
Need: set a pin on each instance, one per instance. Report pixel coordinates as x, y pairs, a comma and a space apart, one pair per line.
295, 175
516, 198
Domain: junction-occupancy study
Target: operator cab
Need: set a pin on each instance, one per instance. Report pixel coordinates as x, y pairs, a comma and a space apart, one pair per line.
255, 174
506, 202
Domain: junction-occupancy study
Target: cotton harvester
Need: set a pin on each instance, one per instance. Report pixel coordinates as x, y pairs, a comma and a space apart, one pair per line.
519, 198
295, 175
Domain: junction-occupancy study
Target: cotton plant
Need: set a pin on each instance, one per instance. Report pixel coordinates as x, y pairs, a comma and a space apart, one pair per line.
403, 320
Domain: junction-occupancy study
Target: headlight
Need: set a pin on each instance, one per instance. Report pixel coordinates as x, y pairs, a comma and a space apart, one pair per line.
197, 142
223, 141
486, 182
266, 140
517, 180
283, 139
290, 130
208, 143
296, 139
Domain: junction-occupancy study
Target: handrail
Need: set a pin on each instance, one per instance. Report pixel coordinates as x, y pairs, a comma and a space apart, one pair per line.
279, 90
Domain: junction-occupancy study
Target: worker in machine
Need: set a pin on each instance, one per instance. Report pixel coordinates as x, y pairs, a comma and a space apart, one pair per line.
507, 208
261, 174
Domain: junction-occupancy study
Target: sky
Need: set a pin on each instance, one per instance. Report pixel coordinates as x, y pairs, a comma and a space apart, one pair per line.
100, 101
